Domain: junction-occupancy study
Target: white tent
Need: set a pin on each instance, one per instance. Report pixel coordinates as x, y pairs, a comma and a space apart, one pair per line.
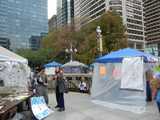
7, 55
75, 67
51, 67
14, 70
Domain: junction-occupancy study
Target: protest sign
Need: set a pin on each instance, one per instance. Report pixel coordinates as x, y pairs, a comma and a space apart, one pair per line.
40, 108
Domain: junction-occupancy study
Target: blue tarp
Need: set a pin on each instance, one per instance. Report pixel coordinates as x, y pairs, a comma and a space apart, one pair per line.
53, 64
117, 56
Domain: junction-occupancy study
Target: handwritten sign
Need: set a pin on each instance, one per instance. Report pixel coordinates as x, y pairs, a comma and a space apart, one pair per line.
116, 72
102, 70
40, 108
132, 73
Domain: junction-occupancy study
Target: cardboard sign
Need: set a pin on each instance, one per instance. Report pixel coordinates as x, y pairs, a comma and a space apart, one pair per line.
102, 70
40, 108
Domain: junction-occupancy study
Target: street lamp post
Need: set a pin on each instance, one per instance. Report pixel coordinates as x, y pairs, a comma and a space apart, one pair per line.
71, 50
99, 36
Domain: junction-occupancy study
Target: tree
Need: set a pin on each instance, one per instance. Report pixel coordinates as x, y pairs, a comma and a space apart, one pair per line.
58, 41
113, 32
36, 58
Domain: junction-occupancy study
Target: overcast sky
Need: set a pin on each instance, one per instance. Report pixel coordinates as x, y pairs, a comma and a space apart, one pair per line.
52, 6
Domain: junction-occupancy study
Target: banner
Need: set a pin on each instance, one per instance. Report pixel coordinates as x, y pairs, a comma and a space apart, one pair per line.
132, 73
40, 108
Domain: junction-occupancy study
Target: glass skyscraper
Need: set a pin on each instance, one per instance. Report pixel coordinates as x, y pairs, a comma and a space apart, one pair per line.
65, 12
21, 19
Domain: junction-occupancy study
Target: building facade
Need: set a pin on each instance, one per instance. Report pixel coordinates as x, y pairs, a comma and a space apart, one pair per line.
61, 12
5, 42
19, 19
152, 25
35, 41
65, 12
52, 23
70, 14
131, 12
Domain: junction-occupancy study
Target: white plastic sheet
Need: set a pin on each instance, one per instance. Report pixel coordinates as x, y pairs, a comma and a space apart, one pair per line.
132, 73
14, 74
107, 90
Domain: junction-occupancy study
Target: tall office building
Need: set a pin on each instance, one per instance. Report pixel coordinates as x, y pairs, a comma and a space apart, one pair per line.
52, 23
5, 42
20, 19
65, 12
131, 11
70, 12
34, 42
152, 25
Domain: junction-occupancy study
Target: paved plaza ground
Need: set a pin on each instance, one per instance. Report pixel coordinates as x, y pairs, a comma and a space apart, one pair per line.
80, 107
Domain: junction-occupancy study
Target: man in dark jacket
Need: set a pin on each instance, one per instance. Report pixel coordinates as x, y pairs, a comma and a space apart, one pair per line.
60, 89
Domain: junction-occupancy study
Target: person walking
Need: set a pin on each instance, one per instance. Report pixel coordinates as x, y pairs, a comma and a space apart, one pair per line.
42, 89
60, 89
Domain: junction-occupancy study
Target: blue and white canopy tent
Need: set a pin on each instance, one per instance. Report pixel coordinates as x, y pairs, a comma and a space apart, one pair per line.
50, 67
119, 79
52, 64
75, 67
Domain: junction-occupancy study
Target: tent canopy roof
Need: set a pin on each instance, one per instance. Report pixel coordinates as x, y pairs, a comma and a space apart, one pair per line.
52, 64
74, 64
117, 56
6, 55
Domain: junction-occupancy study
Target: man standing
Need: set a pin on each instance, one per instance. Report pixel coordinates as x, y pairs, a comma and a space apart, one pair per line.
60, 89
